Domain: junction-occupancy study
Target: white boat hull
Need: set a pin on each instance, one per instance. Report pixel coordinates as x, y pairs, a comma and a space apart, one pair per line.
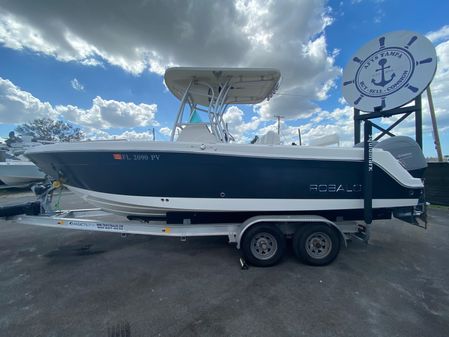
19, 173
156, 206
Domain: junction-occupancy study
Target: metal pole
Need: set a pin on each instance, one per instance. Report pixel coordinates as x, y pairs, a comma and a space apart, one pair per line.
368, 172
436, 136
418, 120
279, 124
180, 111
356, 126
299, 136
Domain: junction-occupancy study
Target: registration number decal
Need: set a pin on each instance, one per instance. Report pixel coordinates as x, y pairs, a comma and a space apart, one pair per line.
136, 156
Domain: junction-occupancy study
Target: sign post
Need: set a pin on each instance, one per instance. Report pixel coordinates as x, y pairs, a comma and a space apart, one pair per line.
436, 135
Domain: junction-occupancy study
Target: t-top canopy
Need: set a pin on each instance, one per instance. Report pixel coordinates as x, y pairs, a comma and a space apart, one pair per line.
247, 85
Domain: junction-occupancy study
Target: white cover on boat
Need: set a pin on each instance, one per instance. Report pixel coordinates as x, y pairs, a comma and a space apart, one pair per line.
270, 138
325, 140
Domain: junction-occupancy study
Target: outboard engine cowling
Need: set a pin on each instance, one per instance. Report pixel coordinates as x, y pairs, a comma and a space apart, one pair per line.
407, 152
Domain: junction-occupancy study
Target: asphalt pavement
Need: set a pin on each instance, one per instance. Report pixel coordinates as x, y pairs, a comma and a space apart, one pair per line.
59, 282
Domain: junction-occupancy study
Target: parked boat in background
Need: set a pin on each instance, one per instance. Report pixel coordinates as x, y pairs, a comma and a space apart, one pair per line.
15, 168
17, 172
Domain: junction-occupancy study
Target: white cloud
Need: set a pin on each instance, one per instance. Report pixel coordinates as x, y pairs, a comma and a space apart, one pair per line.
242, 131
379, 16
17, 33
439, 35
339, 121
317, 124
77, 85
95, 134
440, 92
152, 35
18, 106
165, 131
111, 113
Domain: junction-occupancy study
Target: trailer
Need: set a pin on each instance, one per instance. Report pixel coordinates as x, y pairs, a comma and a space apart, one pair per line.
261, 239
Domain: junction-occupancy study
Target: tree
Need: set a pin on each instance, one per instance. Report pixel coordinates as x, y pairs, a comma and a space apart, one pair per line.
46, 129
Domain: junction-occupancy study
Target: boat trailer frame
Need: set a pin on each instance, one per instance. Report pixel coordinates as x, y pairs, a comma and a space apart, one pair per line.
91, 220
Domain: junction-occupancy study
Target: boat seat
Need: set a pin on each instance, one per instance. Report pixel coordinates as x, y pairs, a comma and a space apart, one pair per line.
196, 133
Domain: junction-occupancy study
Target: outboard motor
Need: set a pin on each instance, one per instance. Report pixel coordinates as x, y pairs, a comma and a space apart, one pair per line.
407, 152
411, 157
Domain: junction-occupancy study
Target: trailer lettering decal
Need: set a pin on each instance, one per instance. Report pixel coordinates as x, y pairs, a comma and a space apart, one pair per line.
81, 224
98, 225
115, 227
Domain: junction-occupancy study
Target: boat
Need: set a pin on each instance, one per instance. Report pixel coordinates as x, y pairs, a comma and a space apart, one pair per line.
15, 168
204, 175
18, 172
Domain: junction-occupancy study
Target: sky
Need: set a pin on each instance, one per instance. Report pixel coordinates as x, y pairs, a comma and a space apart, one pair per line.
100, 64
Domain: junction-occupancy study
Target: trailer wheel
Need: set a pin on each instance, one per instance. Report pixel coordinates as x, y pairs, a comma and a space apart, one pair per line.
263, 245
316, 245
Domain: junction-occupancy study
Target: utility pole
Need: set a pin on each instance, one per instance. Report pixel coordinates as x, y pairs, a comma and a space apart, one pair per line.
436, 136
279, 123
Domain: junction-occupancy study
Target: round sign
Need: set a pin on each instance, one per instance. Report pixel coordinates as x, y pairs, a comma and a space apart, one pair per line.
389, 71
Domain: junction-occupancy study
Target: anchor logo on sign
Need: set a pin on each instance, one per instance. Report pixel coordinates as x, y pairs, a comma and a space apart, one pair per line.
382, 81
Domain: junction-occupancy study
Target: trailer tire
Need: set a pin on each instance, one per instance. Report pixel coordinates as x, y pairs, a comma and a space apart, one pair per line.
316, 244
263, 245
